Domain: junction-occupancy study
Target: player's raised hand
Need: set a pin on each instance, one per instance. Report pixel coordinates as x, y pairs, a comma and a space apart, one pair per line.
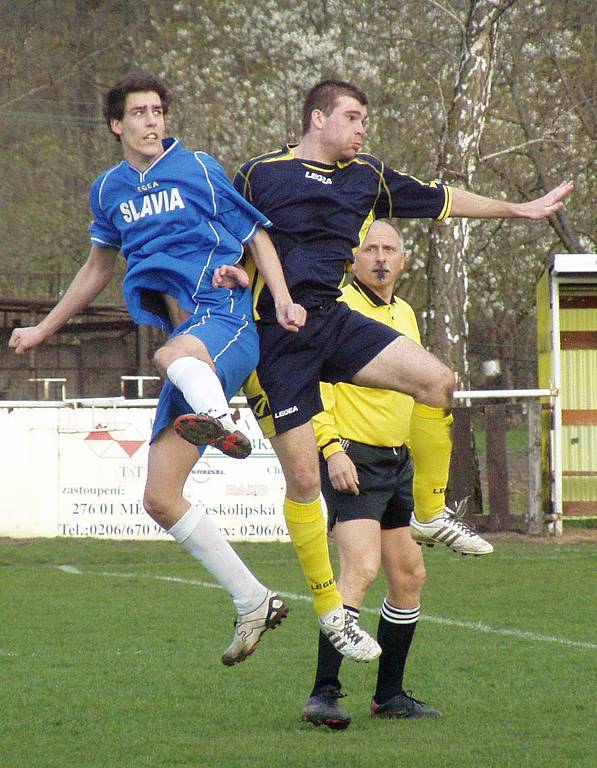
230, 276
24, 339
291, 316
549, 204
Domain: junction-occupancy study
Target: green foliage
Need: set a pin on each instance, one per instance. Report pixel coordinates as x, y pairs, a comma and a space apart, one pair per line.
118, 666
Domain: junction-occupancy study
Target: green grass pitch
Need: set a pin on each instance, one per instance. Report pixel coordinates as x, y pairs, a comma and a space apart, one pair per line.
114, 662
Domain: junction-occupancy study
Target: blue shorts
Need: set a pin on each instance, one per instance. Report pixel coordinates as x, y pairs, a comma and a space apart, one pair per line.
233, 345
335, 343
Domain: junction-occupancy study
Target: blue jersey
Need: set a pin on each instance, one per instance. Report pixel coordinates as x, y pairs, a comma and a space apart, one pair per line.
321, 213
175, 223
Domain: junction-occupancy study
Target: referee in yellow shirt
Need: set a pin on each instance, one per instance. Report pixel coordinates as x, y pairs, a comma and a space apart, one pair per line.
367, 483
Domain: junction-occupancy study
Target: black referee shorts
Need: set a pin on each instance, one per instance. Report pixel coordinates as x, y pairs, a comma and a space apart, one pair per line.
385, 484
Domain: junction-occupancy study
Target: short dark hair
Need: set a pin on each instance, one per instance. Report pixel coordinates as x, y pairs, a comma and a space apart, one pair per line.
324, 96
139, 81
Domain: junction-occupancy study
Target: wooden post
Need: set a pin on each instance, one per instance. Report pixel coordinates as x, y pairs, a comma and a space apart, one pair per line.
461, 461
534, 509
464, 482
497, 467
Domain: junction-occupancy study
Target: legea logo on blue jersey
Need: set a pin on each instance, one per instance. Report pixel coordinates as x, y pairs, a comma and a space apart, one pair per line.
164, 201
318, 177
148, 186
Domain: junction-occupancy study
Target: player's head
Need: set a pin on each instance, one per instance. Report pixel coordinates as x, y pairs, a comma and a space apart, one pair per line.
324, 97
334, 114
381, 258
115, 100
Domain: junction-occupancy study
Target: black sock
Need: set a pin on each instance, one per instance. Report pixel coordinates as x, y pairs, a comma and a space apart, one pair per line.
329, 659
394, 634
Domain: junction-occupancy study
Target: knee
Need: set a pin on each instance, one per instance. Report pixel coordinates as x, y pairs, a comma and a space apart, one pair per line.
447, 386
156, 506
367, 573
303, 483
413, 577
417, 575
445, 383
162, 358
407, 583
355, 581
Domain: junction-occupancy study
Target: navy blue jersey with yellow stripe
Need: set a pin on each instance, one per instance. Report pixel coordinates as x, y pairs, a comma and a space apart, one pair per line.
321, 213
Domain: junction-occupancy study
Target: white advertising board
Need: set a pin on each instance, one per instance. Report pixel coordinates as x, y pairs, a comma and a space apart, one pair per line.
81, 472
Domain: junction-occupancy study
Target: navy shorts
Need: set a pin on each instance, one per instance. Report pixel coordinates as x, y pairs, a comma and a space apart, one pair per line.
335, 343
385, 487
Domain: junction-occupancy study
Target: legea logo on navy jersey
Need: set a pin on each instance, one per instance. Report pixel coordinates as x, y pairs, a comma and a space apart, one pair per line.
285, 412
166, 200
318, 177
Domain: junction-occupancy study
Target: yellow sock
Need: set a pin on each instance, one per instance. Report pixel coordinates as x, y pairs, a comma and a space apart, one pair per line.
430, 442
306, 526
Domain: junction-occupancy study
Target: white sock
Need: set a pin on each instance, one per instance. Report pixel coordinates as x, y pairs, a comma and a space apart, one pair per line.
201, 388
203, 539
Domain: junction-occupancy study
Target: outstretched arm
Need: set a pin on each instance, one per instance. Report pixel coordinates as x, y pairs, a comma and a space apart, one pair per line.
469, 205
89, 281
290, 315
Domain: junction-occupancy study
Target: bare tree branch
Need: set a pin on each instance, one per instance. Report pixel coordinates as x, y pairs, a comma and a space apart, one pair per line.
516, 147
451, 13
560, 222
584, 106
72, 70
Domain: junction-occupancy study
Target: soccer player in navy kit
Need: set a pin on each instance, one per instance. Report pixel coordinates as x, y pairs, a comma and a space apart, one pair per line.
321, 195
180, 225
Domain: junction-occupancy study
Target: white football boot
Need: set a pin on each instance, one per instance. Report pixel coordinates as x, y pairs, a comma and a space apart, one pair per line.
344, 633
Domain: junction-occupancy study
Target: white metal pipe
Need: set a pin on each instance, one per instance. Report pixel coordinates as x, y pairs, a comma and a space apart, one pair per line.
503, 393
240, 402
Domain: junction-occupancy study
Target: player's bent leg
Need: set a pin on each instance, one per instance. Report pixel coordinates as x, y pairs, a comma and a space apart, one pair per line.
450, 528
297, 452
406, 367
358, 543
169, 464
185, 360
431, 447
178, 347
430, 444
258, 608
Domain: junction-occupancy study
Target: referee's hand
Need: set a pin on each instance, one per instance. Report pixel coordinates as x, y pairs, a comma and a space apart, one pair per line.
343, 473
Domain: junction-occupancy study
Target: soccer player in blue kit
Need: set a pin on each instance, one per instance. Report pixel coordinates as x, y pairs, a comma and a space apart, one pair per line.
321, 196
180, 225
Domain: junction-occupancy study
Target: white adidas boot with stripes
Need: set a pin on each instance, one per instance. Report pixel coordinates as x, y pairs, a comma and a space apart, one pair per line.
450, 529
342, 630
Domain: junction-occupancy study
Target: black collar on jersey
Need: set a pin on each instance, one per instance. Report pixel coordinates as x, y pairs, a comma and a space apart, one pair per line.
369, 294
